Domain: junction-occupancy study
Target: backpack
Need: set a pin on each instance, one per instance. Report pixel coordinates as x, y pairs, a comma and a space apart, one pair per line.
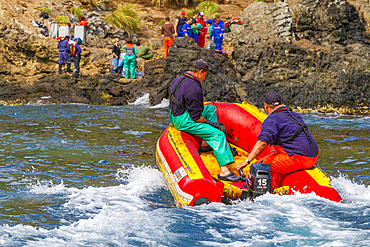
79, 40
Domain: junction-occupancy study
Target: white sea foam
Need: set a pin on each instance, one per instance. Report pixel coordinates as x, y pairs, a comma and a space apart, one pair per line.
121, 216
143, 100
164, 103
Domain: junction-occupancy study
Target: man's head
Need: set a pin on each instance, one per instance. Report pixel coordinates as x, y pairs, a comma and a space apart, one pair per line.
272, 100
200, 69
129, 41
116, 40
167, 19
189, 21
182, 14
195, 14
66, 37
217, 18
201, 15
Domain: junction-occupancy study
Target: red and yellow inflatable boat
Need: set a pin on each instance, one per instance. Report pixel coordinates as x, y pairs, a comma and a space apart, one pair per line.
192, 176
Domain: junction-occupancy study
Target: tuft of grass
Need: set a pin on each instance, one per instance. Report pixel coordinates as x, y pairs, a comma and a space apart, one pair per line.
125, 17
162, 22
189, 12
208, 8
77, 12
260, 0
45, 9
62, 19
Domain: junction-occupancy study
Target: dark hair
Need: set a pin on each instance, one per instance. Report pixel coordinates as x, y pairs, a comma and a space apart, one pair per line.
195, 13
167, 19
129, 40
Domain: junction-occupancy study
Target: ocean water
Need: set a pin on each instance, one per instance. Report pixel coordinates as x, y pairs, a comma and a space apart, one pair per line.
81, 175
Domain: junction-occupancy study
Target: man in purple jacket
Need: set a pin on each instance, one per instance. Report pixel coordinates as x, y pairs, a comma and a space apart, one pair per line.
189, 114
295, 148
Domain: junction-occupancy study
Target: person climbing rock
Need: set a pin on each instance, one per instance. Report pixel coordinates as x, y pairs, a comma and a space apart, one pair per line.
167, 33
179, 24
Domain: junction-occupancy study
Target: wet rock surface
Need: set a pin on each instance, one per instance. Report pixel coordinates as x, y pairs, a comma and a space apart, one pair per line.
315, 53
329, 69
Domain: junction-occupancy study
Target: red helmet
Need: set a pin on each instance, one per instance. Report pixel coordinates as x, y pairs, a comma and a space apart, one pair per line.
182, 12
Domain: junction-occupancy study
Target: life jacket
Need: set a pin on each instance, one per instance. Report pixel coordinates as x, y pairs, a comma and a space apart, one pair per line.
234, 20
83, 23
181, 23
130, 49
73, 48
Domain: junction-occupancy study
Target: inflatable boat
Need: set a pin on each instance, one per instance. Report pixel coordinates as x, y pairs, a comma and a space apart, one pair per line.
192, 175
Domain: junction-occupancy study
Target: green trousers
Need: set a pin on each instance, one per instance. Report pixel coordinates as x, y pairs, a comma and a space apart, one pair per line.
215, 138
129, 63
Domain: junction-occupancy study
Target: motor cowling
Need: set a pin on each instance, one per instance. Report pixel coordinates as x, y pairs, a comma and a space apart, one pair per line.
259, 179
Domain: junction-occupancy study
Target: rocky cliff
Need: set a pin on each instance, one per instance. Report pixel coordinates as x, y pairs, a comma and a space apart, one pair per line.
316, 53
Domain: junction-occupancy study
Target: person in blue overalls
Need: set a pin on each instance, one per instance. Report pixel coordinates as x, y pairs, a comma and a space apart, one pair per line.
186, 29
218, 33
179, 24
63, 48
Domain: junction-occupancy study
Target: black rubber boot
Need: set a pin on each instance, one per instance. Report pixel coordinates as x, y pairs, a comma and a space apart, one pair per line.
60, 69
68, 69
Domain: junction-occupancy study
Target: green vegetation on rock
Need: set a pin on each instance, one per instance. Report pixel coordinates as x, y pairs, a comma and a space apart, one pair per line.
45, 9
62, 19
125, 17
77, 12
208, 8
189, 12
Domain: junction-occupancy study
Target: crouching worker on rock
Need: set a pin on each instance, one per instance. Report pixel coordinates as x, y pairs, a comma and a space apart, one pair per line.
189, 114
295, 148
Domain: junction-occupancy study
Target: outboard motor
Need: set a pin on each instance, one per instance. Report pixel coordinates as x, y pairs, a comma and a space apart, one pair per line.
259, 179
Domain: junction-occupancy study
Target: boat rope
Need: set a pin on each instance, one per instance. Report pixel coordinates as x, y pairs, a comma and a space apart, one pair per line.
182, 158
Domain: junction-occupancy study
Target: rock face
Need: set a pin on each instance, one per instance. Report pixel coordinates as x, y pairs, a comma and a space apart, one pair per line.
327, 21
316, 53
219, 85
334, 74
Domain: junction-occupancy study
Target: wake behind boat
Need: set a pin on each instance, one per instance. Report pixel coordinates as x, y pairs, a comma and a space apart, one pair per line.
193, 177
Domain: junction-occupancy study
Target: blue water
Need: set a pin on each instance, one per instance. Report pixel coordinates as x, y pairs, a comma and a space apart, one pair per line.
80, 175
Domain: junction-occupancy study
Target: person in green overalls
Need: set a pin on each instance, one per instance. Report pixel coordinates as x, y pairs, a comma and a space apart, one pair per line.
129, 62
189, 114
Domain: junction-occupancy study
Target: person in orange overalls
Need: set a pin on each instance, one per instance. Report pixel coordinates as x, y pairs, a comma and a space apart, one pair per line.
295, 148
167, 33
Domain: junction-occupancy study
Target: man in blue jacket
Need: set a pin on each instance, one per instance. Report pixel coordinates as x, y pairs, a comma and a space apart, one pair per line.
75, 56
186, 28
189, 114
218, 33
63, 48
